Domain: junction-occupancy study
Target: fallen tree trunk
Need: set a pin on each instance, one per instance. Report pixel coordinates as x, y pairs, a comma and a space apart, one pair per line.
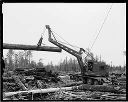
72, 84
30, 47
101, 88
10, 84
6, 94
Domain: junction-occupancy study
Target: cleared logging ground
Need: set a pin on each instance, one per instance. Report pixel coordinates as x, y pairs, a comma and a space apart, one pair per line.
52, 87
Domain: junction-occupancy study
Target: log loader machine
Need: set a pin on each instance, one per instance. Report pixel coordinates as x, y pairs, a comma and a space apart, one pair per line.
92, 73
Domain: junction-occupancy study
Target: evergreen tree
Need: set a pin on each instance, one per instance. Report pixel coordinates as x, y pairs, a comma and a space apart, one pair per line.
10, 55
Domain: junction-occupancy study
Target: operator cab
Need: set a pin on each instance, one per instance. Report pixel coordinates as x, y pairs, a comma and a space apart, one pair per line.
90, 65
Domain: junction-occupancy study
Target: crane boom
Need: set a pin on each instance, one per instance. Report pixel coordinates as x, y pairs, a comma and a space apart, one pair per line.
69, 50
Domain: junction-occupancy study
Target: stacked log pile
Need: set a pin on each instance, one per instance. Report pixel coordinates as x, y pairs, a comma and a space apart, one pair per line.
23, 79
39, 74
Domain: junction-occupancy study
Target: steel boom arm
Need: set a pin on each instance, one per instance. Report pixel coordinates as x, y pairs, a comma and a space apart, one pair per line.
69, 50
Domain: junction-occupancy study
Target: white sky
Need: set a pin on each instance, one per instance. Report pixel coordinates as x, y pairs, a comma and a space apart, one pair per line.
77, 23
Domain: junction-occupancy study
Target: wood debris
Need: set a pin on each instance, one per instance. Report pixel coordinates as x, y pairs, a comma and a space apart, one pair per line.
30, 85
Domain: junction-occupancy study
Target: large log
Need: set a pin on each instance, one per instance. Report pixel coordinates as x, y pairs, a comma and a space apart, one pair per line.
30, 47
102, 88
6, 94
72, 84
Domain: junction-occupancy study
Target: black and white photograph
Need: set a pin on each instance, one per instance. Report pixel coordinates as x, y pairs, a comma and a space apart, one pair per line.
63, 51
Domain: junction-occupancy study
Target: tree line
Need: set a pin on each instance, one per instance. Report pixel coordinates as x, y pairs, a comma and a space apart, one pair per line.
23, 59
20, 59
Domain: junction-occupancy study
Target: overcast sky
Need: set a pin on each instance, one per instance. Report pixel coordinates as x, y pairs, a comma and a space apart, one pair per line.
77, 23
